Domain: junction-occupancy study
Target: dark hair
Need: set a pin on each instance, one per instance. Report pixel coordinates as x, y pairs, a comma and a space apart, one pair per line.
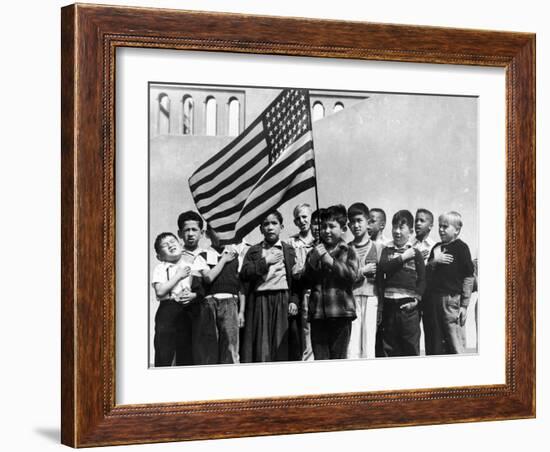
380, 211
358, 208
335, 213
427, 212
402, 217
317, 214
276, 213
190, 215
160, 238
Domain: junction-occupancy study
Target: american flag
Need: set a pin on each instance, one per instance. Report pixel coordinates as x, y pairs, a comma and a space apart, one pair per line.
268, 164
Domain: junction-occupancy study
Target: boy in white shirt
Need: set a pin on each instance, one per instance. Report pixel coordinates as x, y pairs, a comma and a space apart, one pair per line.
365, 290
423, 223
172, 281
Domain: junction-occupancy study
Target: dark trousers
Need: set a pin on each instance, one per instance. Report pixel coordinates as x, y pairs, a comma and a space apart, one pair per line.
330, 338
216, 337
295, 338
401, 328
443, 333
172, 339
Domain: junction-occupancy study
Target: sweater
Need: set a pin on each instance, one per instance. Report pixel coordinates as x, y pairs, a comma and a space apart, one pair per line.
227, 280
403, 276
449, 278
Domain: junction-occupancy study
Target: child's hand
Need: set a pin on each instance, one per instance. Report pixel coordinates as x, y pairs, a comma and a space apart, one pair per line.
408, 307
324, 254
185, 296
442, 258
369, 268
462, 314
229, 255
182, 272
407, 254
292, 309
379, 316
327, 259
241, 319
274, 257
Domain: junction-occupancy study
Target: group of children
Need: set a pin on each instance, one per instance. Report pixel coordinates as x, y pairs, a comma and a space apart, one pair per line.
314, 296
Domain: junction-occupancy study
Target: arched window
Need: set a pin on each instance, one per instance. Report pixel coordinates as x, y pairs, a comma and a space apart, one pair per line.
188, 115
318, 111
211, 116
234, 112
338, 106
164, 113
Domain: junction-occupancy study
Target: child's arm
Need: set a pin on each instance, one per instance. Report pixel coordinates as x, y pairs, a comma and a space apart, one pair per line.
242, 305
255, 266
467, 269
211, 274
344, 265
163, 288
438, 257
388, 265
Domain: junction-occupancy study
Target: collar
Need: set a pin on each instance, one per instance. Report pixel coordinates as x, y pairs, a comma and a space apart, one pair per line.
368, 242
277, 244
428, 241
405, 246
193, 253
306, 241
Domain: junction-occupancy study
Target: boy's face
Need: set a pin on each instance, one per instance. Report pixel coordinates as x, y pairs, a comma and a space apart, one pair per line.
401, 234
358, 225
190, 234
303, 220
331, 232
447, 231
271, 229
422, 225
170, 249
376, 224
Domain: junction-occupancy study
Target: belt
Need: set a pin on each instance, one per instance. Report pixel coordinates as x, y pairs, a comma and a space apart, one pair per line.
221, 296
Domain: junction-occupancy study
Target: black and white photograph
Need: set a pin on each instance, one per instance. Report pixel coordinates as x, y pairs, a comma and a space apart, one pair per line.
289, 224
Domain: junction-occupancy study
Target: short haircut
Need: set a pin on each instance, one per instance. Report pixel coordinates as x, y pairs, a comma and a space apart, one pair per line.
276, 213
426, 212
299, 207
160, 238
358, 208
336, 213
190, 215
453, 218
380, 211
402, 217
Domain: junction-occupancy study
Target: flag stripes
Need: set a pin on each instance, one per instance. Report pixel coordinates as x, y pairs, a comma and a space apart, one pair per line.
271, 162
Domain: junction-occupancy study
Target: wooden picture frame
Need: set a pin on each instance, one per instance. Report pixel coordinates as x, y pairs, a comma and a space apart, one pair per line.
90, 37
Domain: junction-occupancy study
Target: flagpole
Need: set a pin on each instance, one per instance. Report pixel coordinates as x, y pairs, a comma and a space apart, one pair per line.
314, 162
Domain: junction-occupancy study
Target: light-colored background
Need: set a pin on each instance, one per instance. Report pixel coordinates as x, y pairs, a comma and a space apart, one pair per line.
30, 182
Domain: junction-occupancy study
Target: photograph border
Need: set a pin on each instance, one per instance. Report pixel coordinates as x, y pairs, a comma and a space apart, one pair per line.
90, 36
